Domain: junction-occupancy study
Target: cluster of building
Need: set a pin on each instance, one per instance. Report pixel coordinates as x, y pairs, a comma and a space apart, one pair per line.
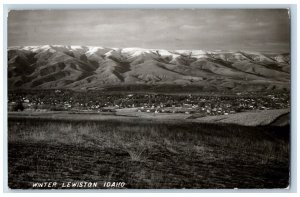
148, 103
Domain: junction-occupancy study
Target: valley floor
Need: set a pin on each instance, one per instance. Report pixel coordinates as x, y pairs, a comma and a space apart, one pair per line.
250, 118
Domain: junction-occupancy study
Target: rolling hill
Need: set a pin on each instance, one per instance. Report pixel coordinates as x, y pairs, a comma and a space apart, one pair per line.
83, 68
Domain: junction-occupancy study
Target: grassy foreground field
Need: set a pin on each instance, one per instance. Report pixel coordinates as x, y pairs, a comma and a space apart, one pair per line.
147, 154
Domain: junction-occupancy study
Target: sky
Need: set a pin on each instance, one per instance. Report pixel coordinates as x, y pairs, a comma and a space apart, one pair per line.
205, 29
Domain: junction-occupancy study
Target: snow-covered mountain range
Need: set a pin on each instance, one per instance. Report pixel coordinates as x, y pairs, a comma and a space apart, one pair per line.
82, 67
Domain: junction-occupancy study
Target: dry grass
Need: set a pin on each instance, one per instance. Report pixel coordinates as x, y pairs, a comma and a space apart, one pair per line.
137, 139
180, 150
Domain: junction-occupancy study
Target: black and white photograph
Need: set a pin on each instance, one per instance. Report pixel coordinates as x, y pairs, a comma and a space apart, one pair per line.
112, 99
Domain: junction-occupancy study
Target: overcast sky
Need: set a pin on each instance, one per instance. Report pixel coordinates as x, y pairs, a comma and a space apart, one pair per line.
256, 30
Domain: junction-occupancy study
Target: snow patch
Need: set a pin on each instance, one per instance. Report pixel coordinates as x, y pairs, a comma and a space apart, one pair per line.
109, 53
75, 47
92, 50
134, 51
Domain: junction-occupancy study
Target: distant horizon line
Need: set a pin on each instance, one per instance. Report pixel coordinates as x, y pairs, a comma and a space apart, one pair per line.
116, 48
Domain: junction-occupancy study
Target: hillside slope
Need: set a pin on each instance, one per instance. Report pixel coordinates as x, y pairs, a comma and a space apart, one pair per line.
81, 68
276, 117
